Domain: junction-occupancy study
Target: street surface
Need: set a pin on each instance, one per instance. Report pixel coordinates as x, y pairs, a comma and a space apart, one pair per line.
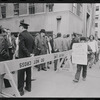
60, 83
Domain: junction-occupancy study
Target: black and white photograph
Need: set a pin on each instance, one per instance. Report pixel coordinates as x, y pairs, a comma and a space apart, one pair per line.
49, 50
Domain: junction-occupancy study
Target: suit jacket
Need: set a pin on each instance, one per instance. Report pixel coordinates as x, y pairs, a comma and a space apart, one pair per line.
52, 46
26, 44
12, 44
68, 43
74, 40
4, 52
59, 44
65, 43
41, 43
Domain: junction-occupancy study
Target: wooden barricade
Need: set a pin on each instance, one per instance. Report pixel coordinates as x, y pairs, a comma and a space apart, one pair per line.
6, 67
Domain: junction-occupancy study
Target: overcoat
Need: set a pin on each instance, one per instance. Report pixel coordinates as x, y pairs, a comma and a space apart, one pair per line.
26, 44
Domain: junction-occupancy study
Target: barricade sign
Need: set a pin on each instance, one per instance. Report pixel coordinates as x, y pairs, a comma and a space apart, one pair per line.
6, 67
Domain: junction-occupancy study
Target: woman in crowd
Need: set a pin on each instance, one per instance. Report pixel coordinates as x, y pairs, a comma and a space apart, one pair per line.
97, 48
92, 44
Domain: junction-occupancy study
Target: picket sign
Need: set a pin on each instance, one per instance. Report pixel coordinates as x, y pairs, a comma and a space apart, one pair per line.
6, 67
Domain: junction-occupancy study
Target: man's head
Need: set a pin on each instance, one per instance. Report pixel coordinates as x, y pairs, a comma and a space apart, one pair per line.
42, 32
58, 34
64, 36
9, 31
23, 26
68, 35
91, 37
4, 31
83, 39
73, 35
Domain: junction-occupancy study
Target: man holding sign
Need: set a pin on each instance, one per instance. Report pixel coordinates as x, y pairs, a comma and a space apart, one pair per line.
80, 57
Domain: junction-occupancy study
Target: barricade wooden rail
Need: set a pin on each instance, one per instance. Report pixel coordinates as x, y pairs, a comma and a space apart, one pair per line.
6, 67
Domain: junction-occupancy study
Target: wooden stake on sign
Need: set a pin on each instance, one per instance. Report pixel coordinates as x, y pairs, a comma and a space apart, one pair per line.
12, 81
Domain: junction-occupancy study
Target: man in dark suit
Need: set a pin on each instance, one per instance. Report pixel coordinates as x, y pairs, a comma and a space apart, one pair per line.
4, 51
26, 46
11, 43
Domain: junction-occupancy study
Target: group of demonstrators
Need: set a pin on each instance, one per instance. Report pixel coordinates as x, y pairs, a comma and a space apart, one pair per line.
92, 55
25, 45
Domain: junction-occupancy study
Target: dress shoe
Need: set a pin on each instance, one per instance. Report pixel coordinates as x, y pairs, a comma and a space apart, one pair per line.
28, 89
44, 69
55, 69
21, 93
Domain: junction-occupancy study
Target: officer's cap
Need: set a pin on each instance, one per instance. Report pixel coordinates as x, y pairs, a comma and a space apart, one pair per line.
22, 23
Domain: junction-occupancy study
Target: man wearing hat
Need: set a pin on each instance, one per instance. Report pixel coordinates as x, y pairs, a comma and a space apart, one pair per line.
41, 45
26, 46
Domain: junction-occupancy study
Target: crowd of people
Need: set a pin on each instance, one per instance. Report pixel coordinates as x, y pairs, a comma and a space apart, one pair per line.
24, 45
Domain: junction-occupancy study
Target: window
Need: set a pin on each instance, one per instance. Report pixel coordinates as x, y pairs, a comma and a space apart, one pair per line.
79, 9
49, 7
96, 24
3, 11
16, 9
97, 17
31, 8
97, 8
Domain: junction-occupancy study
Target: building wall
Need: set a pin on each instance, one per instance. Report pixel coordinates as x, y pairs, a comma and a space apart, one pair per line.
97, 20
69, 23
39, 7
23, 8
9, 10
88, 26
75, 23
61, 7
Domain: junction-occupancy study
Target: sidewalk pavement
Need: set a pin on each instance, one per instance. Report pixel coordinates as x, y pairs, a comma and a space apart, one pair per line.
60, 84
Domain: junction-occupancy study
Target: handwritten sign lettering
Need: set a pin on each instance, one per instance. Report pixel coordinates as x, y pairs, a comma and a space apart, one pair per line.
79, 54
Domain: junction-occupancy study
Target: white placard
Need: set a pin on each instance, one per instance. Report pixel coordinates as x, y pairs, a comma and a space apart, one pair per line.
79, 54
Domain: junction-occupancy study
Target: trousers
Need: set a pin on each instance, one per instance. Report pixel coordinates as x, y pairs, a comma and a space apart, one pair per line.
84, 71
21, 76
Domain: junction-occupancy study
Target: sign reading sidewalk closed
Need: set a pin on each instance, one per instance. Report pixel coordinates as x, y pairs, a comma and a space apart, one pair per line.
79, 54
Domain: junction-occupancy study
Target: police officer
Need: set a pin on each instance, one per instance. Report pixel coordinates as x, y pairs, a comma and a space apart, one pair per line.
26, 46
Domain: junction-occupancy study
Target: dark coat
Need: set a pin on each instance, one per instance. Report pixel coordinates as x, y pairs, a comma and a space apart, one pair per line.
41, 44
4, 52
52, 42
26, 44
74, 40
13, 45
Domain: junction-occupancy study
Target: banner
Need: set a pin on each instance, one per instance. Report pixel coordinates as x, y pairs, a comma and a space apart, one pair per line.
79, 54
